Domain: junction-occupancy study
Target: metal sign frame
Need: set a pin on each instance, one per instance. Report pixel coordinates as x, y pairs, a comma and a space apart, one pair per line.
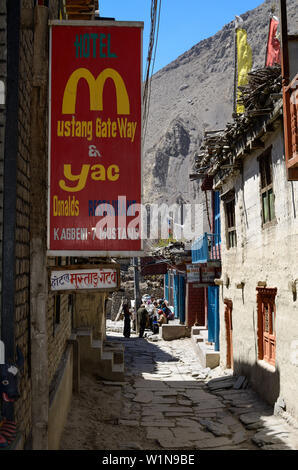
93, 253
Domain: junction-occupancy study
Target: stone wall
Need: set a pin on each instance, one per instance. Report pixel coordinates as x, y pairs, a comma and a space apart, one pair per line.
22, 237
263, 254
57, 334
89, 311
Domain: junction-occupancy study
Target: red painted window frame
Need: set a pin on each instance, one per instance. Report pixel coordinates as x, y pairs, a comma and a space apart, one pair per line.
266, 340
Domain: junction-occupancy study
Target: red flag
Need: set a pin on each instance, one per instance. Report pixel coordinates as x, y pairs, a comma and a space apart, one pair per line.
273, 46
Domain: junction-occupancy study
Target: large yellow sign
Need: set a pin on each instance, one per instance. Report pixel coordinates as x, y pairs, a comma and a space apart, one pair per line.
96, 87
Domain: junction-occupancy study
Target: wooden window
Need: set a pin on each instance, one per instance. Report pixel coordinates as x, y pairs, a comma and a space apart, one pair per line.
290, 115
231, 222
267, 195
266, 324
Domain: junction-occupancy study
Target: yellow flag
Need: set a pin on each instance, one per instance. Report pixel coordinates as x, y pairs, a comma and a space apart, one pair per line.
244, 62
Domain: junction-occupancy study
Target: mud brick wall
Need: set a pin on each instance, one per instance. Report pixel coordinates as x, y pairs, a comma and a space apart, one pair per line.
90, 313
58, 332
22, 236
3, 74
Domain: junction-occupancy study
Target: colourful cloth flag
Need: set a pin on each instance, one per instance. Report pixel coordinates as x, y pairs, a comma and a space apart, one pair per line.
273, 45
244, 63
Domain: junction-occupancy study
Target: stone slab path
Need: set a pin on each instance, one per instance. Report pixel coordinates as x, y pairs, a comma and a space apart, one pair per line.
168, 401
173, 399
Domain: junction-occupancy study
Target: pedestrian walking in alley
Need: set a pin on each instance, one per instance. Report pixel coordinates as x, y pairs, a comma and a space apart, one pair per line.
142, 317
127, 318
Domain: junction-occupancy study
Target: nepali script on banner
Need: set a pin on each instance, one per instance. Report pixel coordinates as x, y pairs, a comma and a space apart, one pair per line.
95, 139
84, 279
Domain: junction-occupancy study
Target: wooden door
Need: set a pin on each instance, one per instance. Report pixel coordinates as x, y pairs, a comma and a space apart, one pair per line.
268, 317
229, 333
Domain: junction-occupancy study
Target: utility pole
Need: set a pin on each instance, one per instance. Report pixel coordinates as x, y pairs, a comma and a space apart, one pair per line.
136, 289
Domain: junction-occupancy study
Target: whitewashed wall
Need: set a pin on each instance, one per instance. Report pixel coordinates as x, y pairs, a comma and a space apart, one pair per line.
268, 255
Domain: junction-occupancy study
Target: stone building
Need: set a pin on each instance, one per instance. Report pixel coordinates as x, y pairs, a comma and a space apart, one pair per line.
259, 233
33, 319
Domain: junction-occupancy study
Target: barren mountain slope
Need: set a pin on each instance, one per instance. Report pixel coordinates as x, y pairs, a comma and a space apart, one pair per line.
194, 93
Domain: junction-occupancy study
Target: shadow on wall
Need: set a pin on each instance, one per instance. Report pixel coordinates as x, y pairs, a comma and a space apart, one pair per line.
262, 377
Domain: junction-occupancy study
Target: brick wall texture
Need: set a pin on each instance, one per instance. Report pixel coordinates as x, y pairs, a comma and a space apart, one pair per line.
22, 237
3, 73
57, 333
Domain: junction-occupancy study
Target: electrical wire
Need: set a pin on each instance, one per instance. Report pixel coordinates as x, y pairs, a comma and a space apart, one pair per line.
155, 23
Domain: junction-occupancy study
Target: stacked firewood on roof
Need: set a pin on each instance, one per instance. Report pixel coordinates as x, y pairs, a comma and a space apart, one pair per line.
259, 97
81, 9
263, 83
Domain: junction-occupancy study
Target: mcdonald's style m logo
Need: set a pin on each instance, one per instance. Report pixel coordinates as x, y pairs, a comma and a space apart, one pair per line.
96, 87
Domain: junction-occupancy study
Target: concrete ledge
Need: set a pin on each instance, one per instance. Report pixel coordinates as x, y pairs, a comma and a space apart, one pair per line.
197, 339
170, 332
60, 399
195, 330
206, 354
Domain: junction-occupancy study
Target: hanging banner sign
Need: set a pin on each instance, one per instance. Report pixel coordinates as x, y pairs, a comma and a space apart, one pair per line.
95, 139
93, 278
193, 273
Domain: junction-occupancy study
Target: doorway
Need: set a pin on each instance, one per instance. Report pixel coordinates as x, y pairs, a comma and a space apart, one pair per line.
229, 332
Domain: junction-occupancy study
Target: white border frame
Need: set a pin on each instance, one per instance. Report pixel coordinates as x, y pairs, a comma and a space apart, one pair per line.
95, 253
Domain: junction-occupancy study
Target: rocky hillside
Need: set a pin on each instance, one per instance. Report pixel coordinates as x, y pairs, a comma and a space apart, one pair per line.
192, 94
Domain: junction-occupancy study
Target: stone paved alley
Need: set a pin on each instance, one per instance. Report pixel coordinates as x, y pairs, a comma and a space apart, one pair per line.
169, 402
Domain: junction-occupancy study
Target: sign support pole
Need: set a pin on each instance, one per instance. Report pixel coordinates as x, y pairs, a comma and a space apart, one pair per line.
136, 289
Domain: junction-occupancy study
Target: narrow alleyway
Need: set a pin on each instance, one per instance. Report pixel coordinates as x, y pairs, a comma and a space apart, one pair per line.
166, 403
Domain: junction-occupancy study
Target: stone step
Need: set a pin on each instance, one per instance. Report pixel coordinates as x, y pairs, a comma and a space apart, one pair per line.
104, 358
197, 339
107, 356
195, 330
118, 368
118, 357
170, 332
112, 372
204, 333
207, 356
96, 344
117, 349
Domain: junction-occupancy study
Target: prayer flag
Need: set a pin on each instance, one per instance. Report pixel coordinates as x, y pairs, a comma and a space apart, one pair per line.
244, 62
273, 45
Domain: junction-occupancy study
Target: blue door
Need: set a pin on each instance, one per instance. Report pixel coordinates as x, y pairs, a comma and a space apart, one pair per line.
166, 290
217, 216
182, 299
213, 316
176, 295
